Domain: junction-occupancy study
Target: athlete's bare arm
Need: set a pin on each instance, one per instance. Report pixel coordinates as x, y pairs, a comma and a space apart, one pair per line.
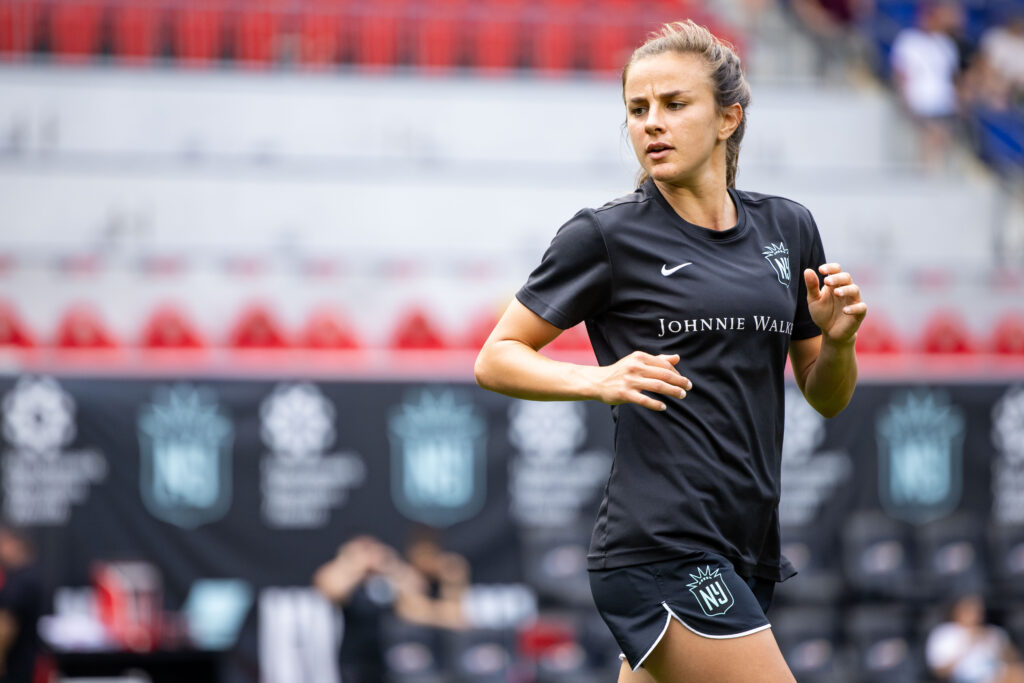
509, 363
825, 367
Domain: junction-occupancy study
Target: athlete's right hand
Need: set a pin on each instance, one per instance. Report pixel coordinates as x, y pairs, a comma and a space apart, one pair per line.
626, 380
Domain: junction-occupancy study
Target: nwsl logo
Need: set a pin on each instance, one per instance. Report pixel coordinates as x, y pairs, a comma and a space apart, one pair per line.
712, 594
777, 256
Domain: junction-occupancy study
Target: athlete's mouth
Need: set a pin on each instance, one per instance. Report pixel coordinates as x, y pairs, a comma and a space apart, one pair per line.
657, 147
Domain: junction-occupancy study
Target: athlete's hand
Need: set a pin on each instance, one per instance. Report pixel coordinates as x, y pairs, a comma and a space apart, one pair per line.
836, 308
626, 380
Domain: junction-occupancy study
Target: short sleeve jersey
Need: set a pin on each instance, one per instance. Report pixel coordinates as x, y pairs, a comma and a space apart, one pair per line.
704, 475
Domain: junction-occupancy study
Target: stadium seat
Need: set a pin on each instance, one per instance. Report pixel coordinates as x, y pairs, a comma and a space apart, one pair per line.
376, 32
809, 638
495, 32
479, 329
554, 37
320, 33
481, 655
951, 555
196, 30
19, 25
1008, 335
75, 30
573, 339
412, 653
877, 556
136, 31
554, 564
325, 329
257, 328
13, 332
1006, 561
612, 37
438, 34
876, 335
257, 29
884, 650
946, 332
416, 331
815, 556
169, 328
82, 328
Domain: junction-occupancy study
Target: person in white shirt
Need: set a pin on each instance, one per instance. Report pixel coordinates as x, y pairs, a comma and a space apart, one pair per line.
965, 649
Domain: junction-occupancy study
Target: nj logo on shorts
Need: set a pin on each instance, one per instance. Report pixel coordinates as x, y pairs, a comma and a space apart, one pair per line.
712, 594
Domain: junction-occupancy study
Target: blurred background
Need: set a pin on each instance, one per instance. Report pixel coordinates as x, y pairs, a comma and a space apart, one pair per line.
248, 250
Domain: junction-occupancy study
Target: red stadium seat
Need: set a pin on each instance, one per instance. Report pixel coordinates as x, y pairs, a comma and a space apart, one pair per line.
196, 30
13, 331
376, 34
946, 332
573, 339
1008, 335
876, 335
136, 30
19, 25
416, 330
82, 328
495, 34
438, 35
554, 40
325, 329
320, 34
257, 29
609, 39
257, 328
169, 328
75, 30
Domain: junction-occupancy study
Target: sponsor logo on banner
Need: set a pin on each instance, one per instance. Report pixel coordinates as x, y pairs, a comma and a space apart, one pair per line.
809, 476
920, 456
42, 479
1008, 464
185, 442
300, 481
713, 596
438, 458
777, 256
549, 481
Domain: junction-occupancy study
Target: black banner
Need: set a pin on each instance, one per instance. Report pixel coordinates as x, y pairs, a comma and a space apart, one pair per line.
262, 480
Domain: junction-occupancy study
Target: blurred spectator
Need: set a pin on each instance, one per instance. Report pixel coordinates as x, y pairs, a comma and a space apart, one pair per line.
925, 64
369, 580
1002, 51
21, 604
965, 649
831, 24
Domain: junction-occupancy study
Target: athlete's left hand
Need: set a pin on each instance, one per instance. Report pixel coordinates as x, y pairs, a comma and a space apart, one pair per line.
836, 307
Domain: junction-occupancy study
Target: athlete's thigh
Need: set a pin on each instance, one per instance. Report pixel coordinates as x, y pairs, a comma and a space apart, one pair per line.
685, 657
627, 675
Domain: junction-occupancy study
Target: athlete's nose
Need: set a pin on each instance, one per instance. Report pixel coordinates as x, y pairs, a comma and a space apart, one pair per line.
653, 122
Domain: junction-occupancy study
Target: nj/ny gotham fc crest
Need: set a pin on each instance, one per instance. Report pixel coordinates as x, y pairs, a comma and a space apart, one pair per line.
438, 458
920, 457
778, 256
185, 446
713, 596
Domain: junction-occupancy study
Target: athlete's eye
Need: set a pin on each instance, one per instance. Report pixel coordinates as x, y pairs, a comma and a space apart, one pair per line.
637, 111
676, 105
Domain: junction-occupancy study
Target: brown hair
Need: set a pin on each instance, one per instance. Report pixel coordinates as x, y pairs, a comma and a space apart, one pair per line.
727, 80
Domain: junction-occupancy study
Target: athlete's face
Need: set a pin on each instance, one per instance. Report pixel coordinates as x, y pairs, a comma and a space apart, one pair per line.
674, 123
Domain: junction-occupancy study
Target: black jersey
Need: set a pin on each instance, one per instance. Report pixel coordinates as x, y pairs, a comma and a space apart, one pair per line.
704, 474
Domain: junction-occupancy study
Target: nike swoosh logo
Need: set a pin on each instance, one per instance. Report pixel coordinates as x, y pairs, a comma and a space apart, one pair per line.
666, 271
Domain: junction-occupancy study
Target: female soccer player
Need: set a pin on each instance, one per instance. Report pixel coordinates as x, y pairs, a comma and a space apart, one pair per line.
692, 290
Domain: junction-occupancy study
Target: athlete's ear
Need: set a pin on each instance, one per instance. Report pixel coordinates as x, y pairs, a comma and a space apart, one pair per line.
731, 117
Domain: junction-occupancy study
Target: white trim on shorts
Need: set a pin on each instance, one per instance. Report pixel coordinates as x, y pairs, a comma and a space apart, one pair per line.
668, 620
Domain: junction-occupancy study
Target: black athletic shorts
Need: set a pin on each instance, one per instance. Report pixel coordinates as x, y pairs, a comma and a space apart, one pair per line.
701, 591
